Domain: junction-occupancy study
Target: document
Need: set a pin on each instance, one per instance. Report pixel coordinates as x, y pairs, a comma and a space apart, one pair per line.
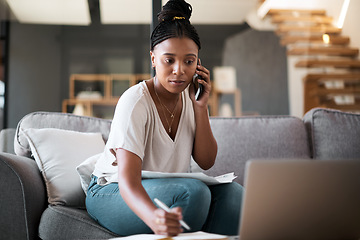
182, 236
208, 180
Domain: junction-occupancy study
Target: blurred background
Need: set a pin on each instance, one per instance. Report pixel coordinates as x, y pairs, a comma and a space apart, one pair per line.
80, 55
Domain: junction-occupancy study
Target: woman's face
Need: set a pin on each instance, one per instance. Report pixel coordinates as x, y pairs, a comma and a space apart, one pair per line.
175, 60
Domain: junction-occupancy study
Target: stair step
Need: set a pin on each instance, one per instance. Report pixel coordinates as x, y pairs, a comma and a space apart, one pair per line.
296, 12
314, 77
301, 18
285, 28
331, 51
343, 63
334, 39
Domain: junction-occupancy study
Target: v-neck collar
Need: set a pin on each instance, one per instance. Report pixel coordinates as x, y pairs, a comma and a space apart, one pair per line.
162, 128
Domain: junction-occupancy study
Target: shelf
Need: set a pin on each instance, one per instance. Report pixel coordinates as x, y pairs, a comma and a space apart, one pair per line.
315, 92
114, 85
119, 83
88, 83
100, 92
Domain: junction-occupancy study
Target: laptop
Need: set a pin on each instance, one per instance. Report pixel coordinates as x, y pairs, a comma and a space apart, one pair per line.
301, 199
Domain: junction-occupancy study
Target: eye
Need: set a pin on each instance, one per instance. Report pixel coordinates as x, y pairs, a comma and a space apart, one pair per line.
189, 62
169, 60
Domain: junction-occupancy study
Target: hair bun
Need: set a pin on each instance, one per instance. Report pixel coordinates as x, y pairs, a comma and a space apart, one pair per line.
175, 8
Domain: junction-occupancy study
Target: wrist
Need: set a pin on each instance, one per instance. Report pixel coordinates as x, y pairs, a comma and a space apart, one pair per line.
201, 110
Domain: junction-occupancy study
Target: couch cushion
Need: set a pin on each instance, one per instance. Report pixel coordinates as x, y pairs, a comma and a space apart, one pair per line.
244, 138
333, 134
59, 222
64, 121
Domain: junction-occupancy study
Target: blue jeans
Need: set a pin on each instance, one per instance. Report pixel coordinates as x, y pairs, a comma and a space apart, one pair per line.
213, 209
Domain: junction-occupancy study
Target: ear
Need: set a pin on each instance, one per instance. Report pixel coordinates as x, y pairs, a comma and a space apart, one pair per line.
152, 55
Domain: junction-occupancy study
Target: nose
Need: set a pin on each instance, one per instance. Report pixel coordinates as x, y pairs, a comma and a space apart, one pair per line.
178, 69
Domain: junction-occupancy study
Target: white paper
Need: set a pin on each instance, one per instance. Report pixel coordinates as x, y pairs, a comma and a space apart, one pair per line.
208, 180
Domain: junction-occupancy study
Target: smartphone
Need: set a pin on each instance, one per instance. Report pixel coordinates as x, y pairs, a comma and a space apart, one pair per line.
199, 88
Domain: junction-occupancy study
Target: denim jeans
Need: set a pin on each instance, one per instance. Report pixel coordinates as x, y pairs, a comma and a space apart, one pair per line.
213, 209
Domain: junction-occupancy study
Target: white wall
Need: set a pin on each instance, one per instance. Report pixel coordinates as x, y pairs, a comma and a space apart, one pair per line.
351, 24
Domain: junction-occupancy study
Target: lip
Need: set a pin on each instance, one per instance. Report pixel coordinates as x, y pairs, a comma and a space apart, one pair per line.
177, 82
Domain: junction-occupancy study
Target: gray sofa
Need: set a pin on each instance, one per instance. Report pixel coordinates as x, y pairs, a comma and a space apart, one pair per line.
26, 214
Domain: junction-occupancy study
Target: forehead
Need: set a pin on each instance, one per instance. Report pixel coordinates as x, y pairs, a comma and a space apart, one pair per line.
178, 46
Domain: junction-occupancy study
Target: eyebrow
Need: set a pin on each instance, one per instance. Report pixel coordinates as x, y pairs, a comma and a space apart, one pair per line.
171, 54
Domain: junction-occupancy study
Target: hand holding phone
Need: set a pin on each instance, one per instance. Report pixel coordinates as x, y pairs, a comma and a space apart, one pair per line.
199, 88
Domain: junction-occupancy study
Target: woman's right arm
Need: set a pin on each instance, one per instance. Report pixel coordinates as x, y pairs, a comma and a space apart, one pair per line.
135, 196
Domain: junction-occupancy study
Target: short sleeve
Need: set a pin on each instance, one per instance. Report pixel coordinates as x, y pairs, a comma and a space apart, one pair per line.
129, 125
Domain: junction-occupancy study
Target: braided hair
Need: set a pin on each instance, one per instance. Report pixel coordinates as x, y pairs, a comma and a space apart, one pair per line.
174, 22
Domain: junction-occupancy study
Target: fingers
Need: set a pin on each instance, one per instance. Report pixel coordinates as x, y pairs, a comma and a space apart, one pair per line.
203, 72
177, 211
168, 223
205, 78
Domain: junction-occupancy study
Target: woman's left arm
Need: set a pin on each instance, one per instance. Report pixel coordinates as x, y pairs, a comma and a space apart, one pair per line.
205, 146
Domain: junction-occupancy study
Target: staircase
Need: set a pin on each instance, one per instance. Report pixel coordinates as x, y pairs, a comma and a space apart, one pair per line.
332, 78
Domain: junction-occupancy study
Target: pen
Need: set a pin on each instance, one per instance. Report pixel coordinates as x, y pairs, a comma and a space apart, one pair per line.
166, 208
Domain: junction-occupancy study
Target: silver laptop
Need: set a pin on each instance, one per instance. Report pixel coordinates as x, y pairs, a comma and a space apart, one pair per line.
301, 199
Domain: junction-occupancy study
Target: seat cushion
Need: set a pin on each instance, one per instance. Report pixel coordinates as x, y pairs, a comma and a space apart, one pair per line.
333, 134
244, 138
60, 222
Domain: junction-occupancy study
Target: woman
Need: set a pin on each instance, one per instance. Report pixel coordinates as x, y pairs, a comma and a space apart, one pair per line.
158, 125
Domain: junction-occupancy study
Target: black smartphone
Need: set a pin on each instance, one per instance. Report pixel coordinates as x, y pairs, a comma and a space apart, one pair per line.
199, 88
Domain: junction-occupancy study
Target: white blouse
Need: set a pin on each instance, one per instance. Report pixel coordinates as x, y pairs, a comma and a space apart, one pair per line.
136, 127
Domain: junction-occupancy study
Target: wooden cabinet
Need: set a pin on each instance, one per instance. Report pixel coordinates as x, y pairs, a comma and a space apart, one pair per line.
97, 94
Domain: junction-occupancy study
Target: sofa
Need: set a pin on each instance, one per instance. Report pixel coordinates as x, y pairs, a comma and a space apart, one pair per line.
25, 210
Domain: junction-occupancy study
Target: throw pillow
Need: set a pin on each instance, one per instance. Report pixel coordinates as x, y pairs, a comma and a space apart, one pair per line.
85, 169
57, 152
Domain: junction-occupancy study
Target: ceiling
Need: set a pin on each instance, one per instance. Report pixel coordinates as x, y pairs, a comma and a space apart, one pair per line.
78, 12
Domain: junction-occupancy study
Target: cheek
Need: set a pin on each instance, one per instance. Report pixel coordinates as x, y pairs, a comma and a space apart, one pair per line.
192, 70
163, 69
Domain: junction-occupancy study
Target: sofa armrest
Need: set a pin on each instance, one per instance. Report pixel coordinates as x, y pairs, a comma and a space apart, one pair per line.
23, 197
